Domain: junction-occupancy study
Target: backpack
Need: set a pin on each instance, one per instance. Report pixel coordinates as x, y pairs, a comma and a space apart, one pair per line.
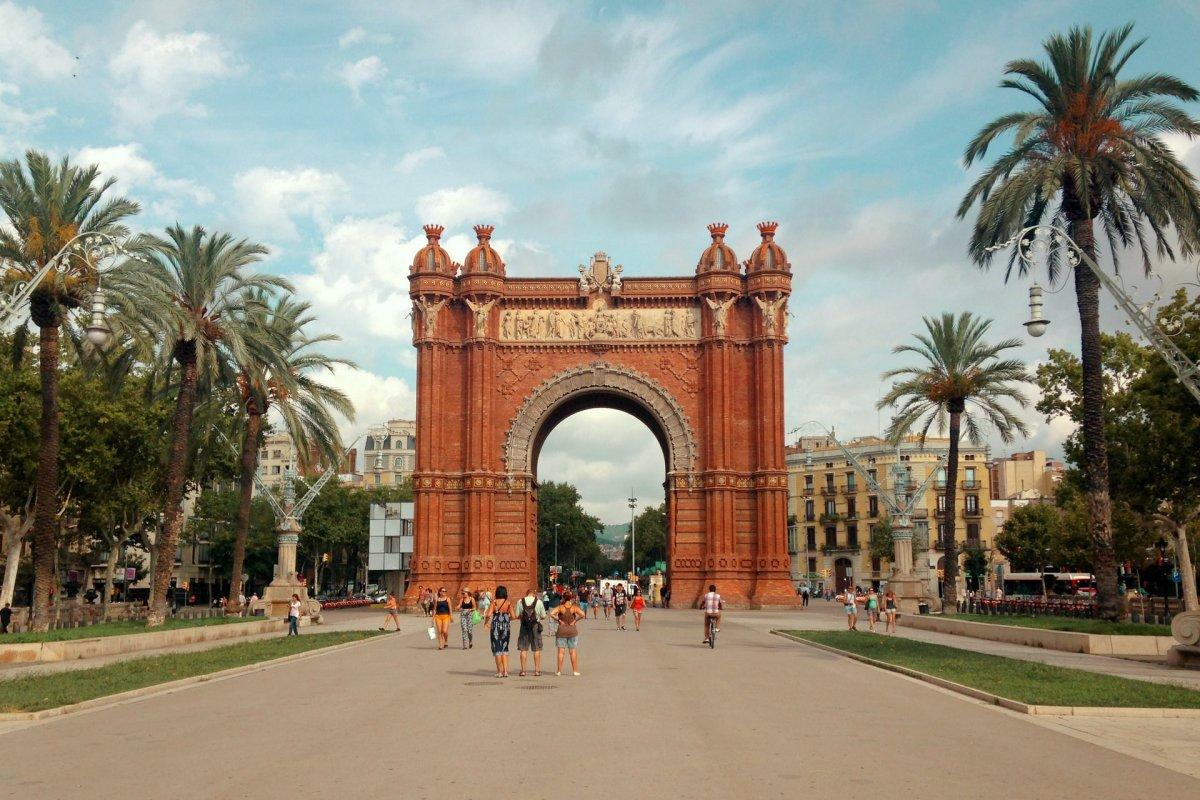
528, 612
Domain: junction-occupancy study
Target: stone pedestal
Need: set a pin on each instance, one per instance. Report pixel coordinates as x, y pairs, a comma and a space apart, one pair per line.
277, 597
1185, 627
904, 582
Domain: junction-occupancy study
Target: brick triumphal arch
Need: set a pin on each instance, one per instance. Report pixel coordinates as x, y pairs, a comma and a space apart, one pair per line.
699, 359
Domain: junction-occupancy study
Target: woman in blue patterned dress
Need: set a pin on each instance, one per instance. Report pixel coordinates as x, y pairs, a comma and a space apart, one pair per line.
499, 615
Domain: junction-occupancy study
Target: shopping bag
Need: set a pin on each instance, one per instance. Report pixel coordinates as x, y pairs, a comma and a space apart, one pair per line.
476, 618
432, 632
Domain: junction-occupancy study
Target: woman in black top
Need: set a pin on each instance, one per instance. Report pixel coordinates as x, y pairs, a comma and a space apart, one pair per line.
466, 611
442, 617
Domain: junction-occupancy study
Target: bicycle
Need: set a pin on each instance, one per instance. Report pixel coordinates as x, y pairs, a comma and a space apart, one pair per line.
712, 633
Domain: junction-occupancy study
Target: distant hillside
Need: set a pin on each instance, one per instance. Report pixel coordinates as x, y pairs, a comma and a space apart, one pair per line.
613, 534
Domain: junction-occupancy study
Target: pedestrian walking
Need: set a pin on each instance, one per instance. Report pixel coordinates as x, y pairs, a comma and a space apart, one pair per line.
498, 623
872, 609
530, 612
485, 601
606, 595
393, 613
466, 619
620, 600
241, 608
566, 638
846, 598
584, 595
442, 617
804, 593
5, 617
294, 616
666, 595
637, 605
889, 610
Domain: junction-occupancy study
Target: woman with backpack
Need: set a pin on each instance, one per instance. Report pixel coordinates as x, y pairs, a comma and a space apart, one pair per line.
566, 637
530, 613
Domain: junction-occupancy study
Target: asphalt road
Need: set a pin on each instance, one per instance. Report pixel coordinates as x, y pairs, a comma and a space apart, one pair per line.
654, 714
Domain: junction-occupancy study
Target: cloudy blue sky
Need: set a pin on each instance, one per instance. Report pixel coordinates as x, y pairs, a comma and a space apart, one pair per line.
332, 131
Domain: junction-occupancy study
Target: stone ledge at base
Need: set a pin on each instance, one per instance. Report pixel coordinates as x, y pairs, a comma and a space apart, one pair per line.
1068, 642
73, 649
1183, 655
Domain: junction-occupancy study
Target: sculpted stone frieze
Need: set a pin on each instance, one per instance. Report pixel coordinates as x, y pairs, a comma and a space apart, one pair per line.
600, 324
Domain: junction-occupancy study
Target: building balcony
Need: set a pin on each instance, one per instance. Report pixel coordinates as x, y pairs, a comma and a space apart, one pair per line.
973, 513
830, 519
810, 517
970, 485
807, 490
964, 544
829, 549
851, 515
828, 491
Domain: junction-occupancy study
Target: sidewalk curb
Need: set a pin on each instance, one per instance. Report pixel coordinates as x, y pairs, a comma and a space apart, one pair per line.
1004, 702
175, 686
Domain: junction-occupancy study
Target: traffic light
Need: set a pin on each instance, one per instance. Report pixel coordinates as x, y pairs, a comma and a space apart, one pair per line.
325, 558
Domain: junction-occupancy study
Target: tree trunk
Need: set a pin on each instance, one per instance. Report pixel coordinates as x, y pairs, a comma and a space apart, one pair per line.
1183, 562
949, 543
168, 537
1095, 449
45, 521
14, 536
110, 566
249, 467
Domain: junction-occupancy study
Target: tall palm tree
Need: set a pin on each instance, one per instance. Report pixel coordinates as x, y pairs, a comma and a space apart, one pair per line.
203, 308
1091, 150
284, 377
964, 381
47, 206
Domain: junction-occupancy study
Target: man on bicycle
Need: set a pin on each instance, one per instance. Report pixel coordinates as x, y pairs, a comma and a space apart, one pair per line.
712, 610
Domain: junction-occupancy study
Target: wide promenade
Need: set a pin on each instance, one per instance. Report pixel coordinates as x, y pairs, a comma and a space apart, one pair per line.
654, 714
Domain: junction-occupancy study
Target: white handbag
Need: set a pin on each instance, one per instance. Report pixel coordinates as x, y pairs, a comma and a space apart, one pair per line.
432, 632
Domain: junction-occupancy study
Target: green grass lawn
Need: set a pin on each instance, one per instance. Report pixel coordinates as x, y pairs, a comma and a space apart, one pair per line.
1071, 625
1024, 681
39, 692
118, 629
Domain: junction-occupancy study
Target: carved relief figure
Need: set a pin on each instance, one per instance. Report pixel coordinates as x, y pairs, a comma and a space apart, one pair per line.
599, 323
770, 309
429, 314
719, 311
480, 310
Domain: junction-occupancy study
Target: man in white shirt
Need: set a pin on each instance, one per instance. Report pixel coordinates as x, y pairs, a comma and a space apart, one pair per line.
712, 605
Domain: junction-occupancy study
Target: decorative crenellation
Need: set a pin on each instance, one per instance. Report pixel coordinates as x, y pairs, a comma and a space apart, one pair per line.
600, 324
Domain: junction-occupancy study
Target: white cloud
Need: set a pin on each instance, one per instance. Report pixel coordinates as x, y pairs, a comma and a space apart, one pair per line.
364, 72
156, 73
605, 454
472, 203
270, 199
126, 163
25, 48
499, 42
376, 398
13, 118
416, 158
362, 36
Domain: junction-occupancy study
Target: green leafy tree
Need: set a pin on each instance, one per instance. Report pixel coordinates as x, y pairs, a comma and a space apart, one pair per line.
880, 545
215, 518
559, 503
1091, 150
338, 522
651, 536
47, 206
1030, 536
963, 382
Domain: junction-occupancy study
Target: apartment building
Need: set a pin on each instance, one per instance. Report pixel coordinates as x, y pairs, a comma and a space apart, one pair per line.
834, 510
392, 460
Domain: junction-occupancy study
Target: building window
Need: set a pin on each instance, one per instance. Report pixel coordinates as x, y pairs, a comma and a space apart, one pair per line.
972, 504
852, 536
808, 484
973, 532
875, 566
873, 506
275, 470
809, 512
811, 538
792, 539
378, 479
828, 465
941, 502
941, 539
830, 536
851, 508
812, 565
828, 480
830, 508
851, 482
969, 457
873, 474
941, 478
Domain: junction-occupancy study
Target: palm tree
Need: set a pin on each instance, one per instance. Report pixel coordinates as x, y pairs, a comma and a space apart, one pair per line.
1091, 150
284, 377
965, 380
48, 205
203, 308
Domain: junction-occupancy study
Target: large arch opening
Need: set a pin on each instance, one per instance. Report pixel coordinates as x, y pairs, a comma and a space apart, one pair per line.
592, 454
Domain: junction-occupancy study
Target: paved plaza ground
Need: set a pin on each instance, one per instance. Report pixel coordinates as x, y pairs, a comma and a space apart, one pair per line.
654, 714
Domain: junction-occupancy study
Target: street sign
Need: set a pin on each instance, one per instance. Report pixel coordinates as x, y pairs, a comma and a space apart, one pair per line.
131, 573
1176, 577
